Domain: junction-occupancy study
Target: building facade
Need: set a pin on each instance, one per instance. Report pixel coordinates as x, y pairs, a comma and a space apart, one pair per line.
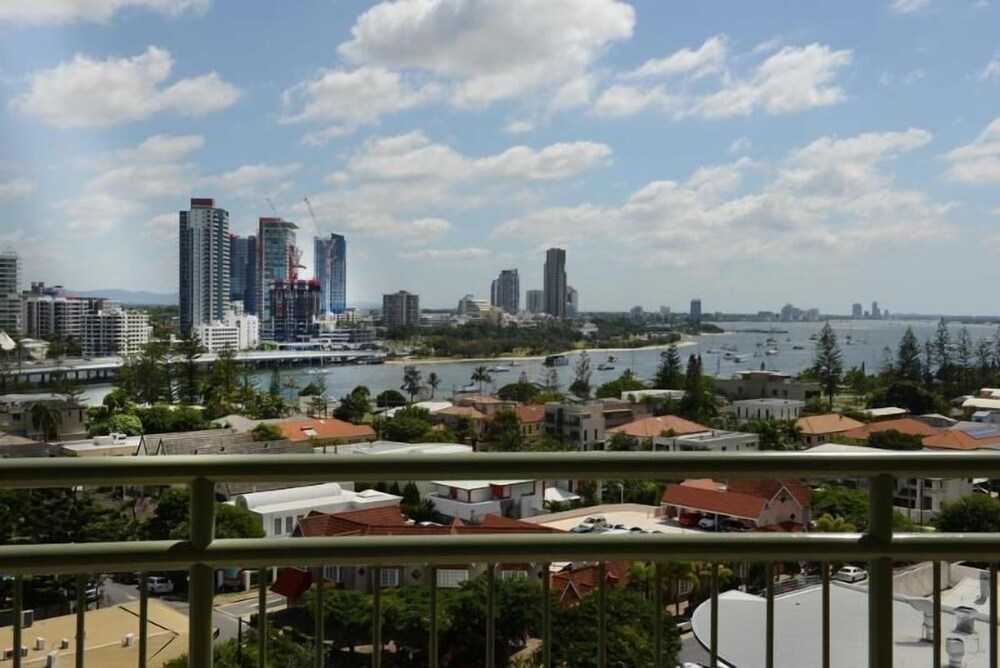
505, 293
277, 262
580, 425
401, 309
243, 271
204, 272
294, 309
10, 292
695, 310
535, 301
766, 385
572, 301
115, 332
768, 409
48, 313
330, 266
238, 331
555, 282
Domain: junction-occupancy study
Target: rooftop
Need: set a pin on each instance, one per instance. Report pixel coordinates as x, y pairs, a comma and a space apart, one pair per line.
887, 411
629, 514
905, 425
783, 403
831, 423
311, 497
478, 484
651, 427
322, 429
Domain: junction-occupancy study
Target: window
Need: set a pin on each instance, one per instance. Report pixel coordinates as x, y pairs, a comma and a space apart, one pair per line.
684, 587
288, 524
333, 573
451, 578
389, 577
513, 575
277, 526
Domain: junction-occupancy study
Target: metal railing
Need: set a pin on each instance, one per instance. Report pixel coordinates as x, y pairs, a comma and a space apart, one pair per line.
201, 554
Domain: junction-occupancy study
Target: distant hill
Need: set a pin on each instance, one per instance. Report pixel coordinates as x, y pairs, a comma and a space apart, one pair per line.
131, 297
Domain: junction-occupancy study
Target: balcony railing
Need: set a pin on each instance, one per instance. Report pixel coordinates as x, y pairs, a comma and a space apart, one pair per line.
200, 554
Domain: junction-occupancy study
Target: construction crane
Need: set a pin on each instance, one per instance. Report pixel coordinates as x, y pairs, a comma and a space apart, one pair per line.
271, 204
312, 214
326, 260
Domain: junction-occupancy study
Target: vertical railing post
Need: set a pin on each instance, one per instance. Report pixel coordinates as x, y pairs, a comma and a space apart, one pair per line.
769, 640
18, 610
81, 610
602, 615
658, 615
432, 645
826, 614
546, 615
994, 649
713, 650
319, 628
491, 615
937, 614
143, 617
377, 618
880, 573
201, 584
262, 578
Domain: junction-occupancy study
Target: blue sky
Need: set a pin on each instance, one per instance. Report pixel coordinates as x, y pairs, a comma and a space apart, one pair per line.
750, 153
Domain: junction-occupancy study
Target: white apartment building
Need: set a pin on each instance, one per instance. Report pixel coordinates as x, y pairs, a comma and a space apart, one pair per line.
10, 292
110, 333
237, 330
279, 510
768, 409
471, 500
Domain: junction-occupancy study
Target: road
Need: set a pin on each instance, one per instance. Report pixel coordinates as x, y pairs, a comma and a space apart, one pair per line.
225, 617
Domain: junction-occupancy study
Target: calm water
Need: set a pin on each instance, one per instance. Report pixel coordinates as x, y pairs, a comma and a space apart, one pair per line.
869, 337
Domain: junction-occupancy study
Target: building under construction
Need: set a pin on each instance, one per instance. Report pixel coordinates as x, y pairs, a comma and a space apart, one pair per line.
294, 308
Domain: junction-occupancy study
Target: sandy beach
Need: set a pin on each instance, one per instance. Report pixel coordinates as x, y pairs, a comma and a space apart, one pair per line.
529, 358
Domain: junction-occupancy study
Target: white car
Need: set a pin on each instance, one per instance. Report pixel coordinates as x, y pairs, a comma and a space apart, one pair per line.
707, 523
590, 524
159, 585
851, 574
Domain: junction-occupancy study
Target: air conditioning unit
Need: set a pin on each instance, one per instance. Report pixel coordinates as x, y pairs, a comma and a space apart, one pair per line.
39, 644
128, 640
52, 660
27, 619
8, 654
64, 643
24, 651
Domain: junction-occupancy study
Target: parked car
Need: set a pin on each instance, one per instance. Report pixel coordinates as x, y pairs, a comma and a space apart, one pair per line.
689, 520
637, 530
91, 591
708, 523
730, 524
616, 529
850, 574
159, 585
590, 524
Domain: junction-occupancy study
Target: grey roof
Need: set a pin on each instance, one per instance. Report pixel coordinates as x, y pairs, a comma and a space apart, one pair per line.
231, 490
220, 442
14, 447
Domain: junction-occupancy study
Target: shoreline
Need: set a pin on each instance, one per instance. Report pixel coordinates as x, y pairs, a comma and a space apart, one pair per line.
530, 358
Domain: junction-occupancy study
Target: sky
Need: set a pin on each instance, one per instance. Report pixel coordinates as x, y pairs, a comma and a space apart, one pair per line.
748, 153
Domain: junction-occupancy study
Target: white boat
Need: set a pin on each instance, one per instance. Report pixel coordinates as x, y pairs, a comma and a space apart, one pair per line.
738, 358
499, 368
712, 351
771, 351
605, 367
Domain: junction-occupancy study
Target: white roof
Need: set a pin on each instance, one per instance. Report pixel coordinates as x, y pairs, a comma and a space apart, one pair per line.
311, 497
797, 624
990, 392
988, 404
639, 395
767, 401
429, 406
557, 495
253, 500
397, 448
849, 449
885, 412
477, 484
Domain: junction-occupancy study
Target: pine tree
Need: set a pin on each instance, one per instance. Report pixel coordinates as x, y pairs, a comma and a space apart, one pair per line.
942, 351
581, 381
908, 366
828, 364
668, 375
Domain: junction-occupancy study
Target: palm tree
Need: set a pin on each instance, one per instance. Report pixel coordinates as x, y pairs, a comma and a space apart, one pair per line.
481, 375
678, 572
412, 381
46, 419
641, 574
291, 384
433, 381
827, 523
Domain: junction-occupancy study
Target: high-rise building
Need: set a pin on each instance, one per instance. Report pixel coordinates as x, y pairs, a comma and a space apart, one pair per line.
243, 271
572, 301
696, 310
48, 313
401, 309
115, 332
278, 261
204, 263
505, 292
331, 271
535, 300
876, 312
555, 282
294, 308
857, 311
10, 292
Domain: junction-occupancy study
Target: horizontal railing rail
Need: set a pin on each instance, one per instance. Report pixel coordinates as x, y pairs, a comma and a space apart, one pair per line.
200, 554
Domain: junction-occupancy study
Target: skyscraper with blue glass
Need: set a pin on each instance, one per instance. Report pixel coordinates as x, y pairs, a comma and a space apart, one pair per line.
331, 271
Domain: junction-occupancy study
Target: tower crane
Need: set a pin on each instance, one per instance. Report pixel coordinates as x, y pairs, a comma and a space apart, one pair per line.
326, 260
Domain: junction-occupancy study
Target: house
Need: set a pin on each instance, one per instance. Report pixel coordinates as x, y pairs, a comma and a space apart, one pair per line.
453, 415
885, 413
576, 581
15, 415
14, 447
292, 582
471, 500
617, 413
580, 425
325, 431
768, 409
965, 436
714, 440
766, 384
992, 417
649, 428
906, 425
758, 503
530, 418
112, 445
819, 429
482, 403
280, 509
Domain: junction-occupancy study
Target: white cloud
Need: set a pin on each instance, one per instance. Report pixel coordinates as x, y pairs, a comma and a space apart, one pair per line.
490, 50
97, 213
162, 228
710, 57
908, 6
831, 196
16, 188
741, 145
245, 179
979, 161
447, 254
155, 149
519, 127
38, 12
792, 80
992, 70
908, 79
85, 92
574, 93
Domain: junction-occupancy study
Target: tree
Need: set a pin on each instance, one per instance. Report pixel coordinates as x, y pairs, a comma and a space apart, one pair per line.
668, 375
619, 441
906, 394
505, 431
521, 392
46, 420
172, 514
828, 363
614, 388
976, 513
267, 431
412, 381
130, 425
222, 384
775, 434
283, 651
291, 384
828, 523
408, 425
887, 365
907, 366
698, 403
347, 616
189, 348
355, 406
482, 376
857, 380
582, 373
390, 399
892, 439
942, 351
552, 379
433, 382
274, 386
851, 505
678, 572
519, 617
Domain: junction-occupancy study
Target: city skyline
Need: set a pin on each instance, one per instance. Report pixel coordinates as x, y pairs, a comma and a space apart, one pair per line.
670, 150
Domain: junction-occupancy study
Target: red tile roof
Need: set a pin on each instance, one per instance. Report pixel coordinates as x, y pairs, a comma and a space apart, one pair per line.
573, 585
652, 427
530, 414
389, 522
292, 583
956, 439
744, 506
831, 423
902, 425
768, 489
326, 428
